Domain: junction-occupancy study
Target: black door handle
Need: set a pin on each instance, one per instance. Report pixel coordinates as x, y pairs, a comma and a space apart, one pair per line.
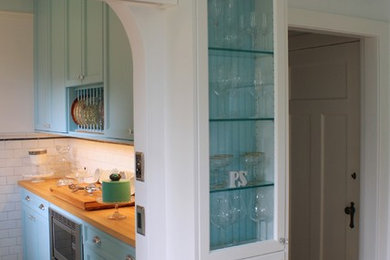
351, 211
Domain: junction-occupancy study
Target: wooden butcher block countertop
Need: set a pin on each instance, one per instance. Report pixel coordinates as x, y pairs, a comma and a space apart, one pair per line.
123, 230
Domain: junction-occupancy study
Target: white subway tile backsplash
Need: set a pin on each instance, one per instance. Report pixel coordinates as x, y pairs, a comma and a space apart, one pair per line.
12, 179
4, 234
11, 257
14, 215
45, 143
30, 144
7, 189
9, 224
13, 162
4, 252
6, 171
13, 144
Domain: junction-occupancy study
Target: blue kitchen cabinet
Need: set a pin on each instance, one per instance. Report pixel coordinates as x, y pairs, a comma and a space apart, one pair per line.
91, 254
42, 90
36, 233
118, 80
81, 44
50, 98
101, 245
84, 42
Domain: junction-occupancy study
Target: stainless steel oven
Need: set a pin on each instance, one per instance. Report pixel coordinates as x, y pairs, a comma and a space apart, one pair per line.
65, 234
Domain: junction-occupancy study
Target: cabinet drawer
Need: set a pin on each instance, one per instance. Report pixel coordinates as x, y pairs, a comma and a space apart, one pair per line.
102, 244
36, 203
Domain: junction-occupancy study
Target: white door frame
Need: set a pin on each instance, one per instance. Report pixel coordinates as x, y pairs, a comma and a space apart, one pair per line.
374, 187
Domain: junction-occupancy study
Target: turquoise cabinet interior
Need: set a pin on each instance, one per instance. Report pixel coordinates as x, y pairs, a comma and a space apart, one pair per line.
81, 44
241, 121
84, 64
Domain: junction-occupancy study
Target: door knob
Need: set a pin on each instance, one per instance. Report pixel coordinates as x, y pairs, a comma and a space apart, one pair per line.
351, 211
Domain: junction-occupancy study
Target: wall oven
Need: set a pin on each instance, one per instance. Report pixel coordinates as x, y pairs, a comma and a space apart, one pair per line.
65, 236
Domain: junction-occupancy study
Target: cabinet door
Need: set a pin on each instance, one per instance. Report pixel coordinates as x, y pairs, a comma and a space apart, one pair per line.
42, 86
84, 42
30, 249
244, 202
57, 44
118, 80
42, 235
73, 42
36, 236
92, 66
90, 254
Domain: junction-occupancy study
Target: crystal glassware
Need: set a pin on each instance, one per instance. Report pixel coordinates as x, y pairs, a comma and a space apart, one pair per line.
253, 162
260, 210
217, 163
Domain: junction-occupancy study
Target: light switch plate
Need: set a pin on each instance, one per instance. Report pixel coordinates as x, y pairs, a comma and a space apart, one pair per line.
140, 213
139, 166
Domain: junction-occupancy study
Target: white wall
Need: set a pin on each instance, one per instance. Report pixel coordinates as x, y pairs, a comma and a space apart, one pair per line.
16, 72
372, 9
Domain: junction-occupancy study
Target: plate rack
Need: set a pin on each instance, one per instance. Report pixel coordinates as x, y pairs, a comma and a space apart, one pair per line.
86, 109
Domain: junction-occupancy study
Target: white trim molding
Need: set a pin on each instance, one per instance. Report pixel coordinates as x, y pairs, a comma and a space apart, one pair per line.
374, 211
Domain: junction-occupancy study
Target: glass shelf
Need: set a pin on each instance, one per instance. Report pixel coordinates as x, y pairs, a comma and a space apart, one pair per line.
236, 50
241, 119
250, 186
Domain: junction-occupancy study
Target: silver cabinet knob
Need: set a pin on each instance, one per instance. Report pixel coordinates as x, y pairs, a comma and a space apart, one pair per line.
42, 207
27, 198
81, 76
46, 125
129, 257
97, 241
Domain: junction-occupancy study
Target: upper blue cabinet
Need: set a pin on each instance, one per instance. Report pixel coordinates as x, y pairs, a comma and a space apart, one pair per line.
83, 70
49, 64
84, 42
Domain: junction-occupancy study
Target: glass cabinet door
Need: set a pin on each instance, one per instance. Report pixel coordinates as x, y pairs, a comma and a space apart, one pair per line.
242, 208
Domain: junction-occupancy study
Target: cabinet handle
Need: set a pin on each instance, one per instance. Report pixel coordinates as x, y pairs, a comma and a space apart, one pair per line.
97, 241
42, 207
27, 198
31, 218
46, 125
81, 76
129, 257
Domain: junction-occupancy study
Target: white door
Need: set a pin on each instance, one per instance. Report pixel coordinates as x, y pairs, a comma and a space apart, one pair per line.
324, 155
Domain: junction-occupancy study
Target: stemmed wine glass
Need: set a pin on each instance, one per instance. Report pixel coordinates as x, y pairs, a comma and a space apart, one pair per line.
261, 211
253, 163
258, 27
225, 210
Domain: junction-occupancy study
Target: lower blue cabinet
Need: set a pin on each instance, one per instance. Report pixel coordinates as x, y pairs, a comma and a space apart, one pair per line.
97, 245
101, 245
36, 236
91, 254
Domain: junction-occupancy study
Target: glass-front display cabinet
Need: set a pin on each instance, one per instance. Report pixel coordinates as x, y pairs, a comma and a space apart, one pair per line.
244, 189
